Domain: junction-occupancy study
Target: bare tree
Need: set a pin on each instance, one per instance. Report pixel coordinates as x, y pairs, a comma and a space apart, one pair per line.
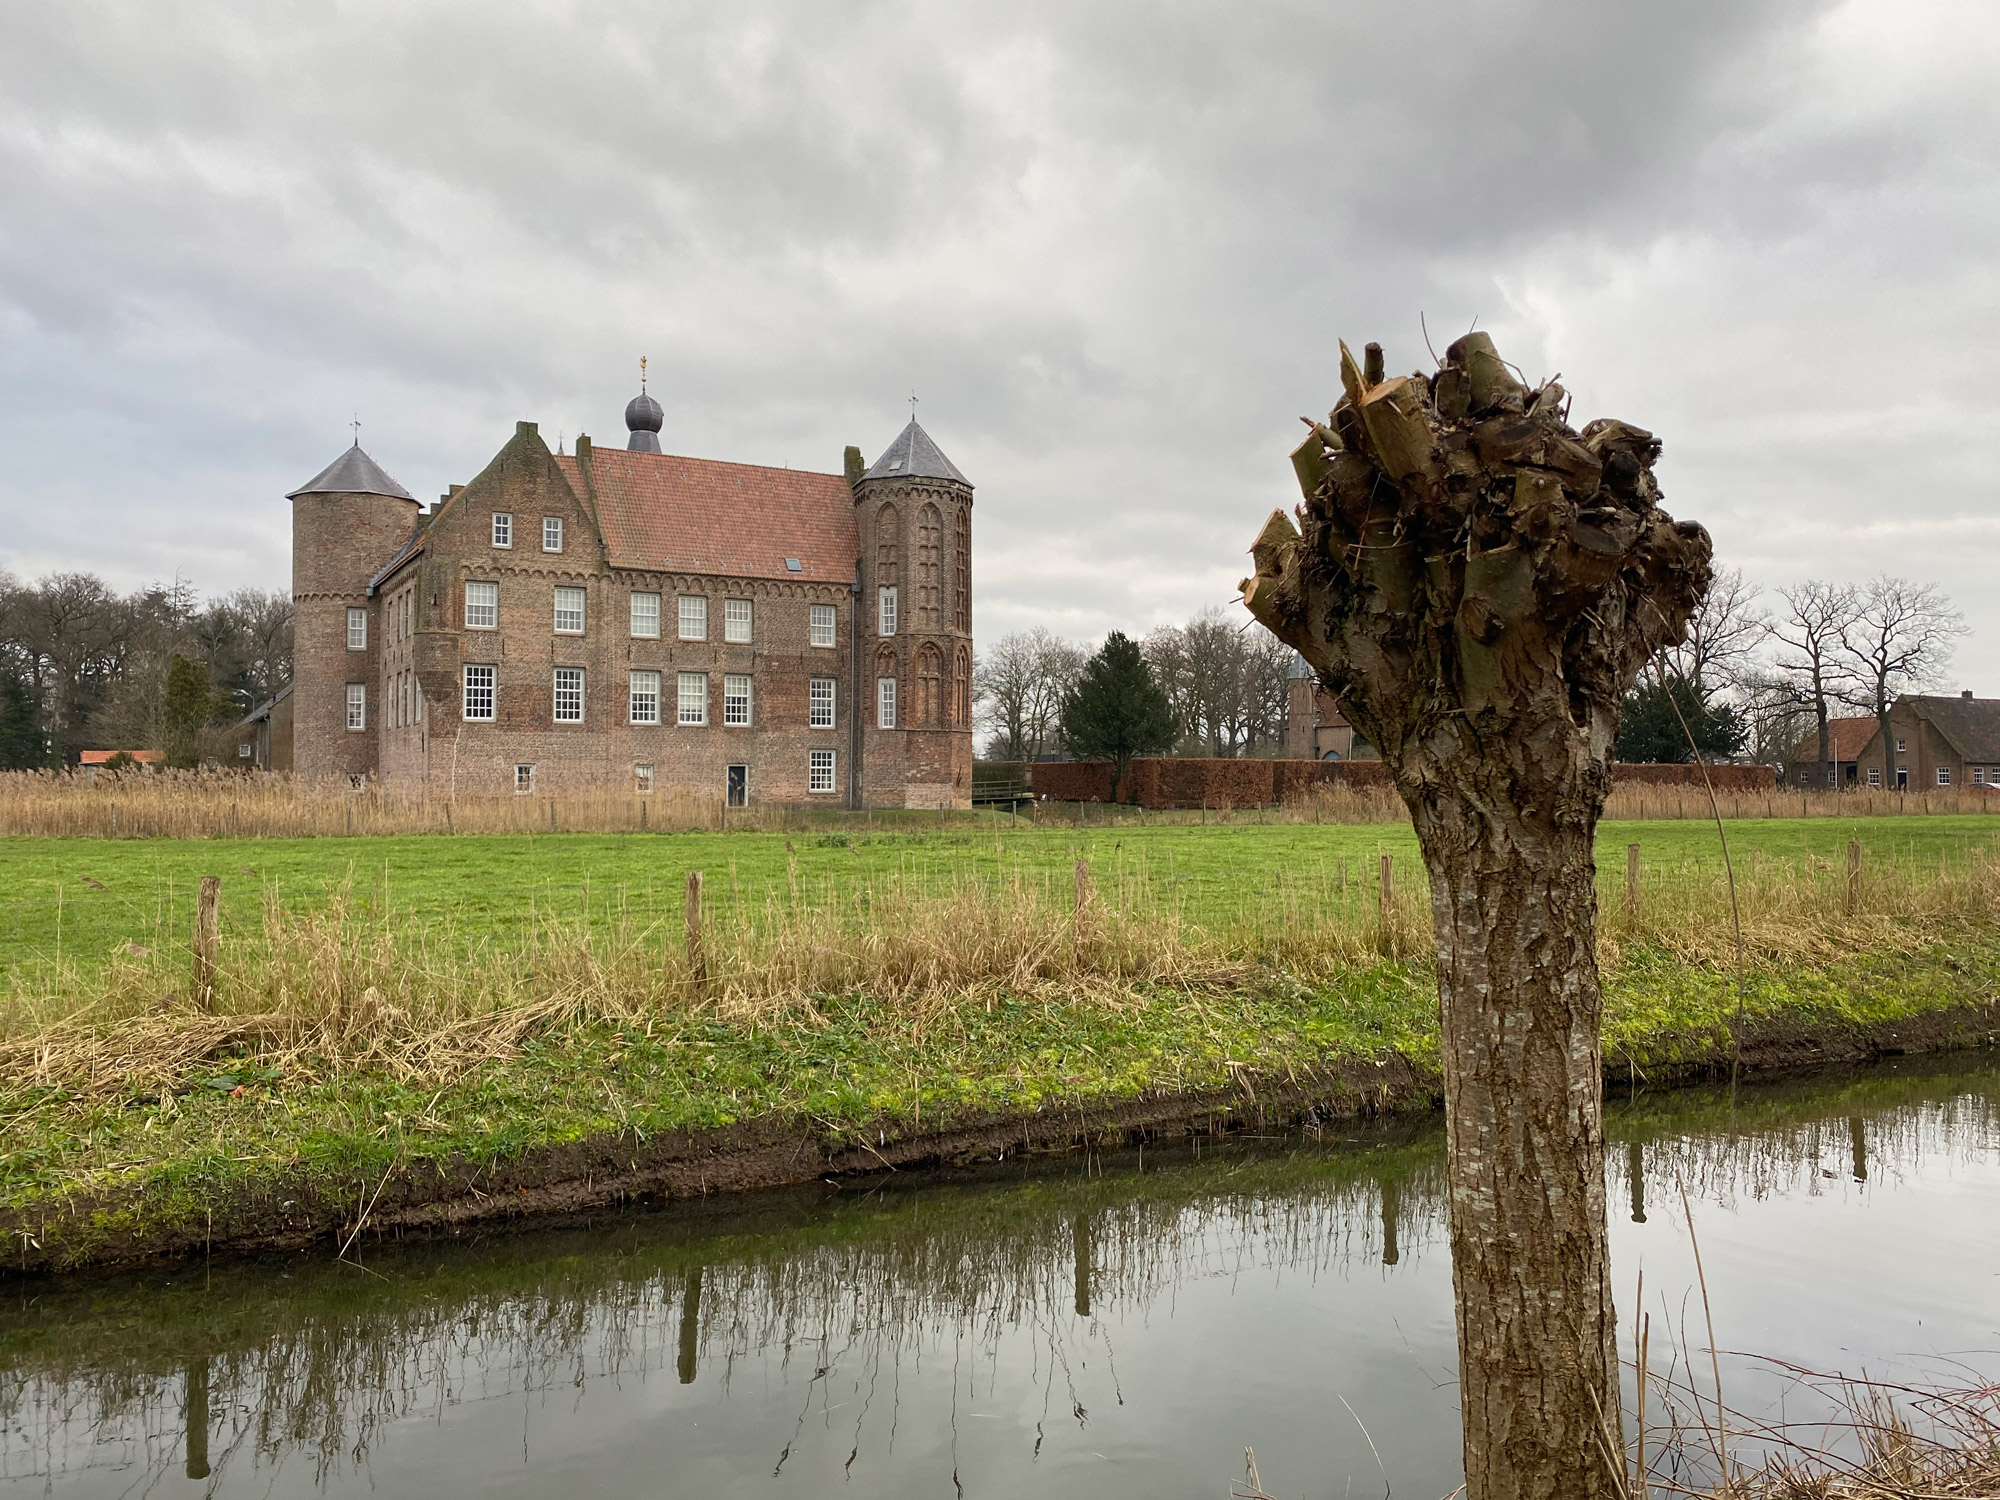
1478, 585
1899, 635
1776, 715
1810, 659
1225, 680
1020, 682
1723, 638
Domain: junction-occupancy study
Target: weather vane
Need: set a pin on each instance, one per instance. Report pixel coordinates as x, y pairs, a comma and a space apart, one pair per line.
642, 372
356, 425
913, 406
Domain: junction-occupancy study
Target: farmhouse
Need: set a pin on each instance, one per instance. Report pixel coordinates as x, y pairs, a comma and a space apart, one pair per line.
629, 618
1940, 741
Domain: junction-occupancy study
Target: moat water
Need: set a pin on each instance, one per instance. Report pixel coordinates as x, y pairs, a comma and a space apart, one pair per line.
1104, 1327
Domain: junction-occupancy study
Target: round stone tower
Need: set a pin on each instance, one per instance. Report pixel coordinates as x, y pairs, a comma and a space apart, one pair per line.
913, 515
348, 523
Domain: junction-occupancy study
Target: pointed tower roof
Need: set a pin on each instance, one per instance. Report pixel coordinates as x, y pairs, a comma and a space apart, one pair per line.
353, 473
913, 454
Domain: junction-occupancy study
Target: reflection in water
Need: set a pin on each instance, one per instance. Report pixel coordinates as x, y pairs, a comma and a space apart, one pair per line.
906, 1337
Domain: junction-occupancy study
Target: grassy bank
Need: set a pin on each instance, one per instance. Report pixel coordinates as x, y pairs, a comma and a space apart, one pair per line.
375, 1049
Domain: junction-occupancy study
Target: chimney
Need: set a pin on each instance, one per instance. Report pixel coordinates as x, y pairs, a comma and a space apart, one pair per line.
1966, 694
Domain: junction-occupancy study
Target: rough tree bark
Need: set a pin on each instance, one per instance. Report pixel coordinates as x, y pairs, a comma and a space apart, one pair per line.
1478, 585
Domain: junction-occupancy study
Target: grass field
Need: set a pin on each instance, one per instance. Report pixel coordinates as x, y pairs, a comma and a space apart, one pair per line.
81, 899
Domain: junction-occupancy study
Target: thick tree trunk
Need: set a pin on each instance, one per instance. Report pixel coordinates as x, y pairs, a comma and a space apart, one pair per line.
1513, 902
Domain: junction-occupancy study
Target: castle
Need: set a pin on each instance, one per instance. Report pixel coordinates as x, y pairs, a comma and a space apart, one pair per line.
629, 618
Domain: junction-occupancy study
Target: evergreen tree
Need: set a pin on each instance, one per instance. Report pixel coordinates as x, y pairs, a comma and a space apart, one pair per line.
1651, 732
185, 713
1116, 710
22, 747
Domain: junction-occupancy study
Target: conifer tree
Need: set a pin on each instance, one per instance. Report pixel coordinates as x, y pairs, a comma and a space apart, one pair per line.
1116, 710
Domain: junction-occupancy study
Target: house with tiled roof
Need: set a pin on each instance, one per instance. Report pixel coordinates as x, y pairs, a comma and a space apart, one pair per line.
630, 618
1846, 738
1939, 742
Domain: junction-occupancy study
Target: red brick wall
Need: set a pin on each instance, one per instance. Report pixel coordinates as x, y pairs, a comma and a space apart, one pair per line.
1191, 781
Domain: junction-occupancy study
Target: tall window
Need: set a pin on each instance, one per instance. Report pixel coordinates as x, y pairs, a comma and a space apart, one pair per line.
961, 689
694, 617
885, 703
482, 606
885, 611
646, 616
478, 702
821, 701
930, 538
961, 572
552, 533
692, 698
822, 624
569, 611
645, 697
736, 621
736, 699
357, 705
503, 529
821, 781
569, 695
930, 686
887, 550
357, 630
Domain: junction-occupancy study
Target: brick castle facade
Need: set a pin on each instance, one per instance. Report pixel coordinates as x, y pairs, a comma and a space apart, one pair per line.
628, 618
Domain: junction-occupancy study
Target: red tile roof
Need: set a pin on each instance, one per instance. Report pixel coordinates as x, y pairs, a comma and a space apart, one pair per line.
99, 757
1845, 740
663, 512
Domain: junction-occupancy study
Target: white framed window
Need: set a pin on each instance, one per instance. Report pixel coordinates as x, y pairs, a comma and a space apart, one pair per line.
645, 616
357, 705
736, 621
477, 705
1874, 775
482, 606
524, 778
357, 629
736, 699
1901, 747
821, 781
645, 697
1944, 775
569, 611
885, 703
885, 610
503, 528
552, 533
691, 698
1979, 775
642, 774
1832, 775
569, 695
694, 617
820, 699
822, 625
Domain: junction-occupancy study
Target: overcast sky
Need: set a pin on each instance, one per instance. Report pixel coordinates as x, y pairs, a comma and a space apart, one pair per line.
1110, 247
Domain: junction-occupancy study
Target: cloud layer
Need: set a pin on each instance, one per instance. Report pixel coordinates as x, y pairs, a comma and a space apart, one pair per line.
1109, 246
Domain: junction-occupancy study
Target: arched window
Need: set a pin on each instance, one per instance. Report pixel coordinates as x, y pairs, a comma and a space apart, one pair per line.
888, 714
930, 538
885, 547
961, 687
961, 572
930, 686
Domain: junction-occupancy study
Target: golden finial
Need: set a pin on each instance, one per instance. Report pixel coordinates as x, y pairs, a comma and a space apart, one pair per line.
642, 372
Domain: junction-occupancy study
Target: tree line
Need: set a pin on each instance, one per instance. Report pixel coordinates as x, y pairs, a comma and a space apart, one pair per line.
84, 667
1224, 681
1756, 679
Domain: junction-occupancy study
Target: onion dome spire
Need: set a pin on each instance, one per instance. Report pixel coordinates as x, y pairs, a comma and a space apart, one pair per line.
643, 418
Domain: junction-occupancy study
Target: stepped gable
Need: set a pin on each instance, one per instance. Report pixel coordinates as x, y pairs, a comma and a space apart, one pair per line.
665, 513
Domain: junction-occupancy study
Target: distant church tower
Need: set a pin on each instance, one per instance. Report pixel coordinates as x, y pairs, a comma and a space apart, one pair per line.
347, 522
914, 528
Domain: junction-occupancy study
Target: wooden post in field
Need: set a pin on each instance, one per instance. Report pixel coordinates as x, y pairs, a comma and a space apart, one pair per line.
207, 939
1632, 883
642, 816
1080, 928
1385, 897
697, 959
1853, 876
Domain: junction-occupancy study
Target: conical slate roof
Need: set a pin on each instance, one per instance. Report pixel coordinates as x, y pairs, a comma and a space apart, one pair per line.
914, 454
353, 473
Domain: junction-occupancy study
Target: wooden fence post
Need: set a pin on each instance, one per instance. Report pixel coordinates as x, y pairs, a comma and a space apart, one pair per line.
1853, 876
1385, 897
207, 939
1632, 883
1080, 930
697, 959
